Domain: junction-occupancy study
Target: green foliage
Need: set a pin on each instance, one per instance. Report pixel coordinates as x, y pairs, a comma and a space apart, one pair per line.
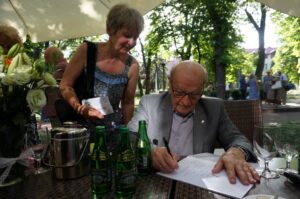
287, 58
33, 50
241, 62
196, 30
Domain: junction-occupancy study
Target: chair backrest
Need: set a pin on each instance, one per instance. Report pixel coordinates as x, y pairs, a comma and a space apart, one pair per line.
245, 114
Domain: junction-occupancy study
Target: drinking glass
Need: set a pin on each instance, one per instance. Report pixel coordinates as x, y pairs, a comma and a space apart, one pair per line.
40, 149
264, 147
288, 144
37, 138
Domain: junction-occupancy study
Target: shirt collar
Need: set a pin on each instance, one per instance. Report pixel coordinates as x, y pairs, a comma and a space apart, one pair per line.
184, 117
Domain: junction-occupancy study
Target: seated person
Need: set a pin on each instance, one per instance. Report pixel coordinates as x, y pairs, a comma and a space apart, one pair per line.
193, 124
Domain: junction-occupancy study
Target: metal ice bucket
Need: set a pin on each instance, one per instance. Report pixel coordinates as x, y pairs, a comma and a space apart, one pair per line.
69, 152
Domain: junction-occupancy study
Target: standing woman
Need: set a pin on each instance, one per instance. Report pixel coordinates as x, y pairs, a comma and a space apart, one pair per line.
267, 83
253, 88
116, 72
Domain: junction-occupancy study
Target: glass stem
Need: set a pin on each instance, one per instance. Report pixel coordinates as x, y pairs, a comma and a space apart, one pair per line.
38, 163
288, 164
267, 166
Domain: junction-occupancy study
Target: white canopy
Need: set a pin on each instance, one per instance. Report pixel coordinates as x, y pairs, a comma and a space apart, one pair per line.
290, 7
46, 20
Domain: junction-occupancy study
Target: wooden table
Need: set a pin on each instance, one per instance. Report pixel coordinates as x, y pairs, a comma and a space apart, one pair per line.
44, 186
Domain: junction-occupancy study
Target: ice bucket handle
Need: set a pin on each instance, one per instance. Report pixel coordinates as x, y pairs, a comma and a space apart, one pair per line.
69, 164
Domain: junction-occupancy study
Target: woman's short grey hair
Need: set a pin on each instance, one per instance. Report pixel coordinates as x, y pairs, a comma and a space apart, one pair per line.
121, 16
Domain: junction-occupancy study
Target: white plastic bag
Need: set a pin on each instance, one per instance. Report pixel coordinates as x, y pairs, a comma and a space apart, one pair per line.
277, 85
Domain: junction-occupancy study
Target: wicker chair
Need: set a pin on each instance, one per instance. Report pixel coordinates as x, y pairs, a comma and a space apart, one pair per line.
245, 114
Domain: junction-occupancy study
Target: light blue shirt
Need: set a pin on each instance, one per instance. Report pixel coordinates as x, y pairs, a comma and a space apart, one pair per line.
181, 136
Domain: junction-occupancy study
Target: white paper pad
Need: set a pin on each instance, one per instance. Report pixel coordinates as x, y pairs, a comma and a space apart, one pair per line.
196, 170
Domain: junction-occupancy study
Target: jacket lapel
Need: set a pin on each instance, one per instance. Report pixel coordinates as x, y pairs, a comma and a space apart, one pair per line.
199, 128
167, 115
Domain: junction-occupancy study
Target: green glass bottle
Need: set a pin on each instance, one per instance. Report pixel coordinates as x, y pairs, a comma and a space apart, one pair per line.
101, 173
125, 166
143, 150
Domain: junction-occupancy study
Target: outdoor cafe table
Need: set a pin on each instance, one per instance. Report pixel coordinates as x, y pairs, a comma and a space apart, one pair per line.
44, 186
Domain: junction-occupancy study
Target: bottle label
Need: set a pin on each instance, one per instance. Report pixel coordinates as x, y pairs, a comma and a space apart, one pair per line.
101, 155
143, 162
127, 156
100, 176
126, 178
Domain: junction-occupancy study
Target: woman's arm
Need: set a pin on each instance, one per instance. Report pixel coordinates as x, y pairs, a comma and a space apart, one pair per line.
72, 72
129, 93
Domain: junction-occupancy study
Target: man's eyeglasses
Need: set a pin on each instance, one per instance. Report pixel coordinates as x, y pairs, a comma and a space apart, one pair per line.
181, 94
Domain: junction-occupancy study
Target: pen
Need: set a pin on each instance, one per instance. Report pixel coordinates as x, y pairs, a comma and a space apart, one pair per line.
167, 146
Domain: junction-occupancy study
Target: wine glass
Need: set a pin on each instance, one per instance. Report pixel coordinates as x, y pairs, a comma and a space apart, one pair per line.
37, 138
288, 144
40, 149
264, 147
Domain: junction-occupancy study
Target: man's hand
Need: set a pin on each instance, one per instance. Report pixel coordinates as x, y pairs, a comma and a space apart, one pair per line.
235, 165
163, 161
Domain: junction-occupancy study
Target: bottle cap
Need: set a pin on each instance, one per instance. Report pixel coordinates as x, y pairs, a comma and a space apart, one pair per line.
100, 128
142, 122
124, 130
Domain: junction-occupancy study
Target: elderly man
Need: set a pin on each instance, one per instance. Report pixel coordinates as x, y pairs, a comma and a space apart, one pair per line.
193, 124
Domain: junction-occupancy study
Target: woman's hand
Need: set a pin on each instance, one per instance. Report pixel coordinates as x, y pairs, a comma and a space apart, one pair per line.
89, 112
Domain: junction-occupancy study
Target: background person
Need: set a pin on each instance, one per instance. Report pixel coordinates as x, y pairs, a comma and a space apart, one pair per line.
284, 82
267, 82
54, 58
243, 86
253, 87
274, 94
8, 37
116, 73
193, 124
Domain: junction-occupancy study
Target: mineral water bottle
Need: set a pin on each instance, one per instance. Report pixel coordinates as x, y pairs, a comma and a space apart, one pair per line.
143, 150
125, 166
101, 173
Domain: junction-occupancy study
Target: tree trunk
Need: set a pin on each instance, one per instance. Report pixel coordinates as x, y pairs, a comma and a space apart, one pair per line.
140, 86
261, 54
220, 72
261, 39
147, 72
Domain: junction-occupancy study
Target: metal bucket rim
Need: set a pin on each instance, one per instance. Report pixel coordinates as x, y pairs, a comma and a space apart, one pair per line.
85, 137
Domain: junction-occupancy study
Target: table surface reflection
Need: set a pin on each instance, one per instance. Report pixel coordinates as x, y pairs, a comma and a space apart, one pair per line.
45, 186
